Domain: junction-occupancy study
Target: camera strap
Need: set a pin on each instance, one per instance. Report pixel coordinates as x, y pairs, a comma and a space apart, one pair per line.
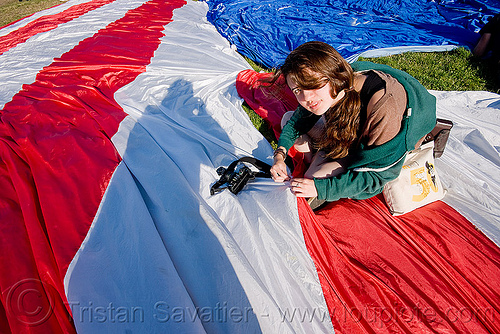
236, 180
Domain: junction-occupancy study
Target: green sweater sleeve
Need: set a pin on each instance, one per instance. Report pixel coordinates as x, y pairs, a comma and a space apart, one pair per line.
356, 185
301, 122
289, 134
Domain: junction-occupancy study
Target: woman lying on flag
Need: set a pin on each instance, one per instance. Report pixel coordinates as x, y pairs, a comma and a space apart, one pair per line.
354, 123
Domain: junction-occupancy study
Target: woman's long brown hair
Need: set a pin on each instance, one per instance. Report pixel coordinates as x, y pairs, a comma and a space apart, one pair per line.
311, 66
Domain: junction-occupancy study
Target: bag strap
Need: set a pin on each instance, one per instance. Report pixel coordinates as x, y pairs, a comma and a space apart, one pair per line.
264, 168
236, 180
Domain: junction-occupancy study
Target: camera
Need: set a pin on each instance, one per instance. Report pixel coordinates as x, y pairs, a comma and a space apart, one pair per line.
235, 180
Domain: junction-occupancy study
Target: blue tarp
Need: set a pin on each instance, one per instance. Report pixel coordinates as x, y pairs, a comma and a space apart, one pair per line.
266, 31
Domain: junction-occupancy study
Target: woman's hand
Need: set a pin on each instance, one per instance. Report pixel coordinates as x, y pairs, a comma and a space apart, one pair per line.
278, 170
302, 187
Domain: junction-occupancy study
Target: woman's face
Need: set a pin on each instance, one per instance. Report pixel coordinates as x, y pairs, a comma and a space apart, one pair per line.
317, 101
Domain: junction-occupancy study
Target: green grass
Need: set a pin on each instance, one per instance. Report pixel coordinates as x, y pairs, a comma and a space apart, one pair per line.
13, 10
455, 70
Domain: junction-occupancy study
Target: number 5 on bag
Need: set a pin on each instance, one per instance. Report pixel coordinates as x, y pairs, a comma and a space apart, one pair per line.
417, 185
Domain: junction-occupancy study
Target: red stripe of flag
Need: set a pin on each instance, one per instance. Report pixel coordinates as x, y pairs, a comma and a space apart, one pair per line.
57, 159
